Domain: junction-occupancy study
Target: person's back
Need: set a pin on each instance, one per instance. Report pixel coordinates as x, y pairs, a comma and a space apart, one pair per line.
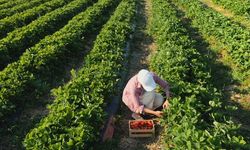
140, 97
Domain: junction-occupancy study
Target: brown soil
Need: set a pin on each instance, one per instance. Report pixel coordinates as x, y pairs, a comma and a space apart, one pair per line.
142, 46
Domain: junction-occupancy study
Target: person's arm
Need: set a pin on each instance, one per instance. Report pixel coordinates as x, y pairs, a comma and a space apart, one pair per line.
140, 109
149, 111
162, 83
165, 86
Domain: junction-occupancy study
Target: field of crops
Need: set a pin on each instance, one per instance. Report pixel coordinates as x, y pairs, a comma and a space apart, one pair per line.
63, 61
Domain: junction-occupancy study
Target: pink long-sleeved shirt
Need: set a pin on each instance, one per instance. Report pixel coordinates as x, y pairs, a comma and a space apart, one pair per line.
134, 90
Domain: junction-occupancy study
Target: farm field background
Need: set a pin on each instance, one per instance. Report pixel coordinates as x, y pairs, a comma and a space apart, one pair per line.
64, 62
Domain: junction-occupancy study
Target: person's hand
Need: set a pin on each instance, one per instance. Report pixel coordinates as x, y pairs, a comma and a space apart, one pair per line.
165, 104
158, 113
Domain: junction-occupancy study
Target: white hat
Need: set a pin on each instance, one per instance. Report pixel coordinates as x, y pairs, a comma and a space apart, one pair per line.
146, 79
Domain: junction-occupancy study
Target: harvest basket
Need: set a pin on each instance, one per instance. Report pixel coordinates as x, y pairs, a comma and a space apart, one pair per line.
141, 128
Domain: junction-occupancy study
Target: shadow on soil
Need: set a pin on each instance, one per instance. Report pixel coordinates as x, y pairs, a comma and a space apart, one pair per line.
139, 51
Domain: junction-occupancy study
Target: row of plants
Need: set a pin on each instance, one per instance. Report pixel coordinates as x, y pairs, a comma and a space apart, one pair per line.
194, 119
77, 113
10, 23
239, 7
2, 2
20, 8
41, 65
12, 46
211, 23
8, 4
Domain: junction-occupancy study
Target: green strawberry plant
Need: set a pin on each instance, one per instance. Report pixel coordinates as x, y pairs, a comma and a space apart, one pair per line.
17, 20
239, 7
231, 35
194, 119
77, 113
12, 46
36, 69
20, 8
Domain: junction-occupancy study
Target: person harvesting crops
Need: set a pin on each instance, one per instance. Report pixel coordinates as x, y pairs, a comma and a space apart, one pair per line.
140, 96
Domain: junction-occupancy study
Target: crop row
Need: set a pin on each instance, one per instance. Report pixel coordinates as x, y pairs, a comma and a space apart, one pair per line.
212, 23
2, 2
239, 7
8, 3
21, 19
41, 64
21, 7
193, 120
12, 46
77, 114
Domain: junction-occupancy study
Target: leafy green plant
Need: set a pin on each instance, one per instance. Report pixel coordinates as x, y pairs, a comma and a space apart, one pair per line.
228, 33
40, 65
77, 112
8, 4
194, 120
12, 46
21, 7
21, 19
239, 7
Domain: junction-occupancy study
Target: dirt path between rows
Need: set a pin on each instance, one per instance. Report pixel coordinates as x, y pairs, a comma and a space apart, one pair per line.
142, 46
236, 18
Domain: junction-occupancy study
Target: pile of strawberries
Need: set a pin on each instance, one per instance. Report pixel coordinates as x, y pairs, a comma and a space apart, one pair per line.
141, 124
